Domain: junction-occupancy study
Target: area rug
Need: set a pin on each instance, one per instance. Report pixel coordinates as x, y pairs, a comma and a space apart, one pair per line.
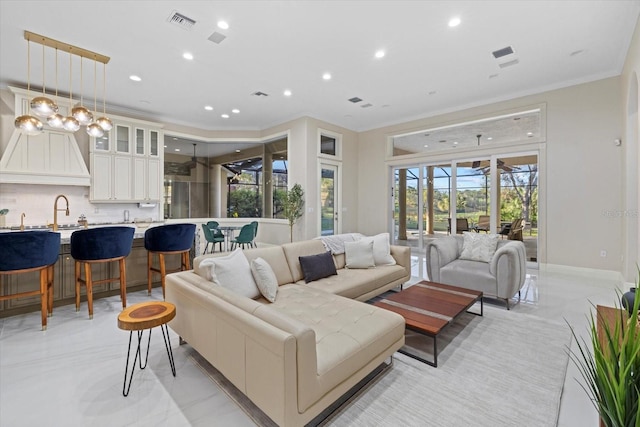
503, 369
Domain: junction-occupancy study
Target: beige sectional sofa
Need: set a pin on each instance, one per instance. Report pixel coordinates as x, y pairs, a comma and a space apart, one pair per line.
296, 356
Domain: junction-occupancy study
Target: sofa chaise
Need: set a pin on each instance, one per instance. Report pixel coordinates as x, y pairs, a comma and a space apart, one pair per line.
296, 356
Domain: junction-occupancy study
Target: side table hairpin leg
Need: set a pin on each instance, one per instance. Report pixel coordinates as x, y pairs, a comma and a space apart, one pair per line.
167, 344
125, 388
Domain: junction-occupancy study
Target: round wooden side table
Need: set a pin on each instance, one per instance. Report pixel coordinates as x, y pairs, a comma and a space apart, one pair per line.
138, 317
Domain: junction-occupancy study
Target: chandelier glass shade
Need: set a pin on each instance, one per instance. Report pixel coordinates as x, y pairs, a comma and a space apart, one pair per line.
55, 120
43, 106
29, 125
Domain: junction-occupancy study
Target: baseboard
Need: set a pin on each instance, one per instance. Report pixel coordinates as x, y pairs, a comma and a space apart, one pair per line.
582, 271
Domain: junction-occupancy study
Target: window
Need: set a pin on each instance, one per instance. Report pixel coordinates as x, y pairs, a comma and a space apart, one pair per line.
329, 144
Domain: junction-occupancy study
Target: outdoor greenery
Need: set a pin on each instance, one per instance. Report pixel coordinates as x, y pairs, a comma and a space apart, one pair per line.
612, 370
518, 199
293, 206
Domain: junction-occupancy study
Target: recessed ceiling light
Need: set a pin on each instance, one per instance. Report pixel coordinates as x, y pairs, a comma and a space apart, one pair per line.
135, 78
426, 146
225, 116
223, 24
454, 22
188, 56
176, 149
326, 76
489, 138
235, 111
164, 146
455, 142
529, 133
208, 107
287, 92
175, 139
237, 151
380, 54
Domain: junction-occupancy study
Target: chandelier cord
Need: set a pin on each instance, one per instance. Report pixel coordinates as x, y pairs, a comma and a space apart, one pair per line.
43, 85
104, 89
28, 66
70, 83
95, 85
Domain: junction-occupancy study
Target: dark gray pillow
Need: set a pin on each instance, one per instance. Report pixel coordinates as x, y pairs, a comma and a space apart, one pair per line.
316, 267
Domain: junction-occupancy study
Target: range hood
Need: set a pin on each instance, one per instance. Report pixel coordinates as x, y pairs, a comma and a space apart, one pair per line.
51, 158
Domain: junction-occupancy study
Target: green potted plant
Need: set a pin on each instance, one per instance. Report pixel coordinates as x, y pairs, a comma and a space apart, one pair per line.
612, 370
293, 206
3, 213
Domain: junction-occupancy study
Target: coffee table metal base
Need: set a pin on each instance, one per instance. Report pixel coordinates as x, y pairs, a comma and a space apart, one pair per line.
433, 362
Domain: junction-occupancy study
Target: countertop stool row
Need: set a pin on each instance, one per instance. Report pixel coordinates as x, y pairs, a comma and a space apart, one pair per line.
28, 251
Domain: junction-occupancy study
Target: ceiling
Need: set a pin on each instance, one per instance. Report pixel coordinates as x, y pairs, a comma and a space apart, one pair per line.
273, 46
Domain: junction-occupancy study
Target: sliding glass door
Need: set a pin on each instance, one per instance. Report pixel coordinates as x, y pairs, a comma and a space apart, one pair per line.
423, 209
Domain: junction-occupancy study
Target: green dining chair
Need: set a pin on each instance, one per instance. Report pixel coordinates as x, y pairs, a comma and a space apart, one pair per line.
245, 237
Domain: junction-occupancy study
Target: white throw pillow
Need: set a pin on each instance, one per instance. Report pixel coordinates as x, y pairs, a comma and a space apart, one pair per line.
359, 254
479, 247
232, 272
265, 278
381, 249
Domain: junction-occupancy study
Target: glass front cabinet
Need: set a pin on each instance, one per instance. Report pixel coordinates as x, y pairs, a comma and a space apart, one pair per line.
126, 163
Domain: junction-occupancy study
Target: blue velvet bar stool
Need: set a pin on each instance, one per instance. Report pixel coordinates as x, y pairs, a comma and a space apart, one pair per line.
171, 239
100, 245
31, 251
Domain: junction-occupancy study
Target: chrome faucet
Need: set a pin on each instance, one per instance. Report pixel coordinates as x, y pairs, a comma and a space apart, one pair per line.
22, 215
55, 210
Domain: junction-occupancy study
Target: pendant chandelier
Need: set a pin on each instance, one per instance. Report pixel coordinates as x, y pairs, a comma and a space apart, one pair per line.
44, 107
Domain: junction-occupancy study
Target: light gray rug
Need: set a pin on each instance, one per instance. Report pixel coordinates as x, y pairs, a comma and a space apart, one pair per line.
503, 369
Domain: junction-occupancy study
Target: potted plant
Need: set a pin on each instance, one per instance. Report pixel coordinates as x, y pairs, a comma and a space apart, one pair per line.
3, 213
612, 370
293, 205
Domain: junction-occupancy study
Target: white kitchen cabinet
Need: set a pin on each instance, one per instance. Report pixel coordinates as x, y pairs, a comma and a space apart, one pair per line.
127, 163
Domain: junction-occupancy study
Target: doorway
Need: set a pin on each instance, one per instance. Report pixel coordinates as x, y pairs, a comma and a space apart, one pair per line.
481, 195
329, 200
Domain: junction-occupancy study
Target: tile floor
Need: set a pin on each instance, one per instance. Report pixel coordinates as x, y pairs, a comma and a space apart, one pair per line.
72, 373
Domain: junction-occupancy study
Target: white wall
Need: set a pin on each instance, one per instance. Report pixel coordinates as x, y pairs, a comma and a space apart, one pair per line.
631, 136
583, 167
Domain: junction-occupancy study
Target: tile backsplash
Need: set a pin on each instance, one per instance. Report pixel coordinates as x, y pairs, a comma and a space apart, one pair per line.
36, 202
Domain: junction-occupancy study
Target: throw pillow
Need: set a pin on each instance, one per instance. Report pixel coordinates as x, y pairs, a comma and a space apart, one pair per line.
265, 278
232, 272
316, 267
359, 254
478, 247
381, 249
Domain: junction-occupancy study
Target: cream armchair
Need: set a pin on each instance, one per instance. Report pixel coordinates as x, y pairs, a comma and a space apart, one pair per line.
501, 278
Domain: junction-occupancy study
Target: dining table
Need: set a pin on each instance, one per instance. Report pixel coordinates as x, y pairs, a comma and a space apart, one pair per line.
229, 233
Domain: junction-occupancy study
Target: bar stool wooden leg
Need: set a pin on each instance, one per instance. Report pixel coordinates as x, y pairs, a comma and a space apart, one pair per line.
44, 293
149, 271
163, 271
50, 274
89, 285
77, 267
123, 282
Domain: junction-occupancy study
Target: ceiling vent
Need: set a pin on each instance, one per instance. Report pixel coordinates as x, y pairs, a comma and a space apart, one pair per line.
355, 100
502, 52
181, 20
509, 63
366, 105
217, 37
258, 93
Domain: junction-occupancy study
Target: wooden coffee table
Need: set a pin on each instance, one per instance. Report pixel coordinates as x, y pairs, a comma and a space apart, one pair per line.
428, 308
